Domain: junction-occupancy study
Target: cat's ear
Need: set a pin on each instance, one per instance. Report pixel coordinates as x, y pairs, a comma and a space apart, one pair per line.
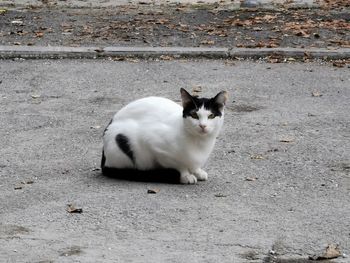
221, 98
186, 98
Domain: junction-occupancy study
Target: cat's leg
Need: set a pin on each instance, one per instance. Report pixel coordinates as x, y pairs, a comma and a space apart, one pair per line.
187, 178
200, 174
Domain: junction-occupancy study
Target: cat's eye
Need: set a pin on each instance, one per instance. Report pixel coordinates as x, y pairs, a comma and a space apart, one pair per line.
194, 115
211, 116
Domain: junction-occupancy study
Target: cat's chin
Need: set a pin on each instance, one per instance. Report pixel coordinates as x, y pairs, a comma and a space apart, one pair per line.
203, 133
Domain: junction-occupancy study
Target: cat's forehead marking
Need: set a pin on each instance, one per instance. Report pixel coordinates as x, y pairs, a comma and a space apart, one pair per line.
203, 111
210, 105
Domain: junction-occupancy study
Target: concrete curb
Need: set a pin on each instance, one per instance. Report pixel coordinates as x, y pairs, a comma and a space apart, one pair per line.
37, 52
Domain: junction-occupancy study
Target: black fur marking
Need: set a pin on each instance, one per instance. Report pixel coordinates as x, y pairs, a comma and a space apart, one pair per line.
209, 104
103, 160
161, 175
124, 145
107, 126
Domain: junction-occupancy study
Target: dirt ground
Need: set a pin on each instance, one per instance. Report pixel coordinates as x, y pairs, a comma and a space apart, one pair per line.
179, 25
279, 177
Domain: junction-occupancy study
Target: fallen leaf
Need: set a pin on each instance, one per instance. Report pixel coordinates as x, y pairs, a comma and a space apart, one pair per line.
339, 64
39, 34
72, 209
302, 33
162, 21
21, 32
153, 191
164, 57
332, 251
273, 150
17, 22
266, 18
133, 60
275, 59
287, 140
251, 179
118, 58
307, 54
316, 94
196, 89
207, 42
27, 182
220, 195
2, 11
257, 157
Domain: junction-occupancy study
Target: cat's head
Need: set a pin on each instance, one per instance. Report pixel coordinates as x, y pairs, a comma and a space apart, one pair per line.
203, 116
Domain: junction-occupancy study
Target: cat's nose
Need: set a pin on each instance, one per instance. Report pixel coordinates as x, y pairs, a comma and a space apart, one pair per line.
203, 126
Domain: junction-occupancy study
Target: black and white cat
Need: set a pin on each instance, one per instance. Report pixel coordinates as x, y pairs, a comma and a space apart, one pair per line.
155, 132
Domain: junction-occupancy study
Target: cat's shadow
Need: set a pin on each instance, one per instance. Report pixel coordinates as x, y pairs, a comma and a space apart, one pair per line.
166, 176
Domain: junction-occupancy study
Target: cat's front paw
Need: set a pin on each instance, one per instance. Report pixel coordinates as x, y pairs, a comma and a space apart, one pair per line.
187, 178
200, 174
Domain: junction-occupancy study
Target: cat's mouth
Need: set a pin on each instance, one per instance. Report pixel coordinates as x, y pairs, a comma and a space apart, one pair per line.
203, 131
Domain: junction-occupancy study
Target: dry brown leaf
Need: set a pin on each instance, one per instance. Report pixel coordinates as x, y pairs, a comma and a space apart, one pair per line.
165, 57
316, 94
257, 157
332, 251
302, 33
17, 22
133, 60
196, 89
207, 42
220, 195
339, 64
39, 34
72, 209
27, 182
287, 140
162, 21
251, 179
153, 191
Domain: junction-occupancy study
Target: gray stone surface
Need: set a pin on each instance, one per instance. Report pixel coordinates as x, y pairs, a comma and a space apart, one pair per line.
296, 145
37, 52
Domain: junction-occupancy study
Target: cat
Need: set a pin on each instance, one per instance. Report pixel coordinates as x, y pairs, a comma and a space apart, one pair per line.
155, 132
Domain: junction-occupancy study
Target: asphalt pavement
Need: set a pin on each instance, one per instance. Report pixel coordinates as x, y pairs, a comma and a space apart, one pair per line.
279, 177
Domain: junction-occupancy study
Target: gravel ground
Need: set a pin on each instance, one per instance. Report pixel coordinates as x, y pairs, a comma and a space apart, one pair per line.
181, 25
279, 178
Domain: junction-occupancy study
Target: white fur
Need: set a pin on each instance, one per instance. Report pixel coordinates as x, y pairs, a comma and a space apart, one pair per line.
160, 137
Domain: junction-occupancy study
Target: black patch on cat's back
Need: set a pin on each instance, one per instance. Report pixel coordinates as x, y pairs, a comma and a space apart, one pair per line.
124, 145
